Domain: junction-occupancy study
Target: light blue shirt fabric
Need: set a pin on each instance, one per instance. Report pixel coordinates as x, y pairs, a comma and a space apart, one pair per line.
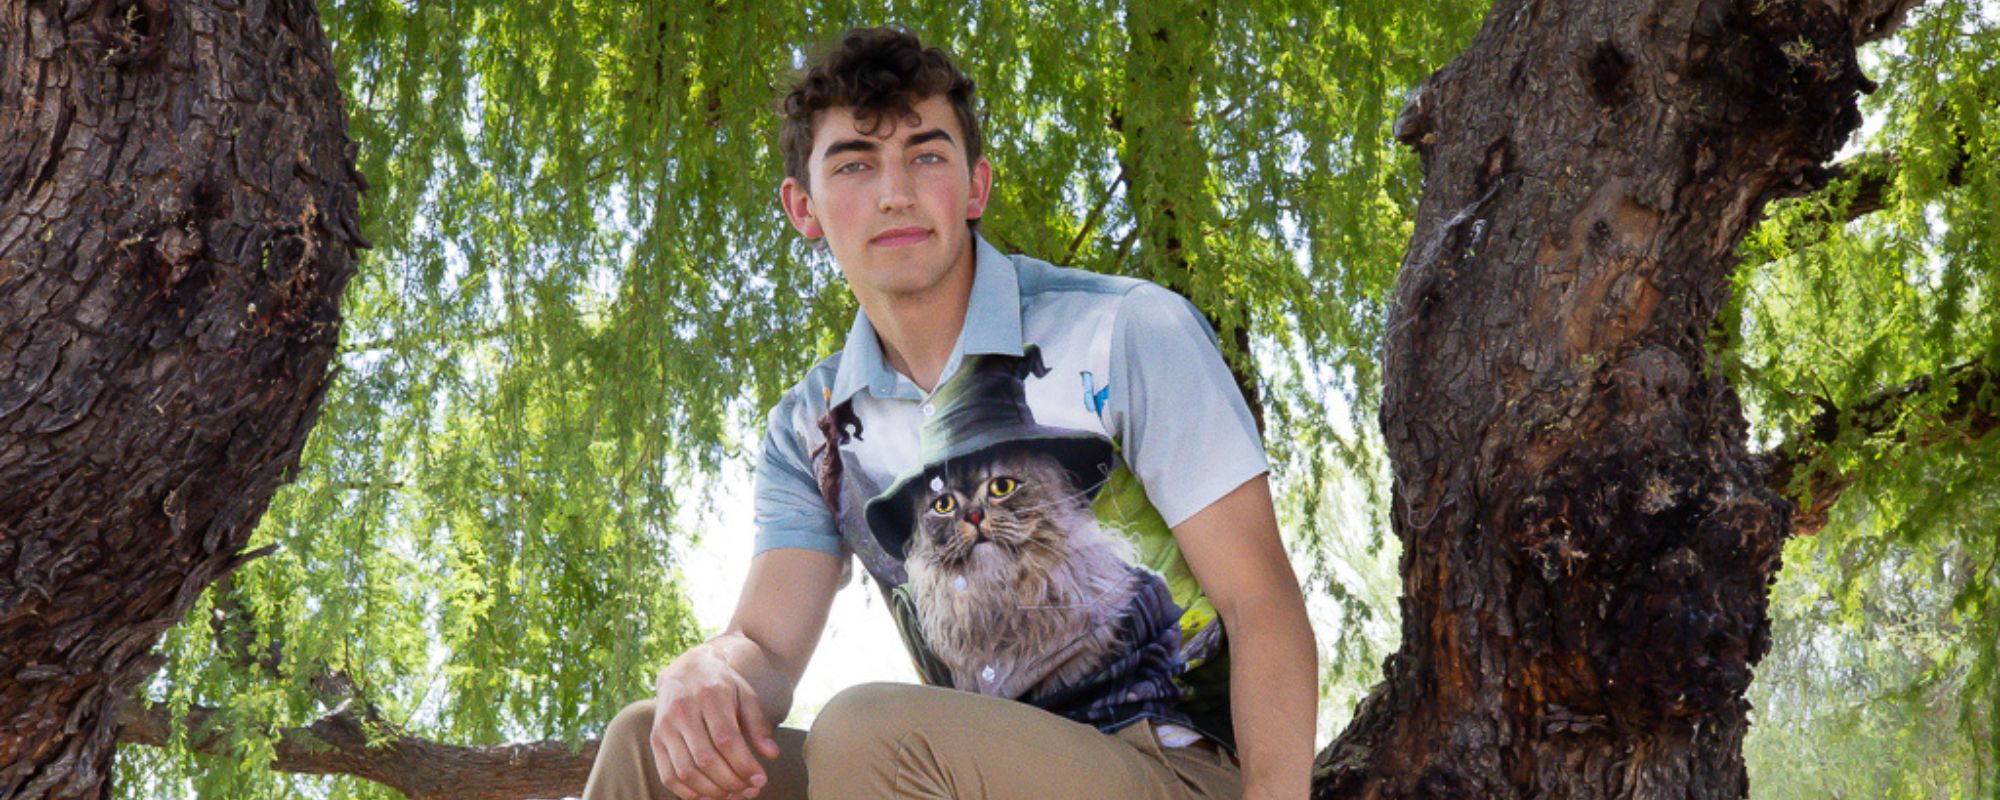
1172, 406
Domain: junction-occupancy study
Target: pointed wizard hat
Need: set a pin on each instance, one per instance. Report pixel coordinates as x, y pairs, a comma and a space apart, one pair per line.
981, 411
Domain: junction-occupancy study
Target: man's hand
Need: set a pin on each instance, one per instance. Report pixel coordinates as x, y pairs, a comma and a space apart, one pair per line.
714, 705
705, 721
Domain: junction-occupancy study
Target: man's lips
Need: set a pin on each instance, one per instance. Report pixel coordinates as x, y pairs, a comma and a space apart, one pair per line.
900, 237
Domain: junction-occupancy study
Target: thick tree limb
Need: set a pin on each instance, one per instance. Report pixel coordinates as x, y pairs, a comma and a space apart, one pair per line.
1801, 457
1588, 541
423, 769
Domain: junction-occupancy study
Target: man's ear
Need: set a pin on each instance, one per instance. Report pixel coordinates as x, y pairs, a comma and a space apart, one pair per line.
982, 187
798, 208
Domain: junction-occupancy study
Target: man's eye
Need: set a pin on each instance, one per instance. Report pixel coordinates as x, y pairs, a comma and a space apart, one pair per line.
1001, 487
851, 166
944, 504
930, 158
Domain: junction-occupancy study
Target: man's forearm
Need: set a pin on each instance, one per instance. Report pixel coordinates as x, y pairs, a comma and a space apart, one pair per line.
1273, 693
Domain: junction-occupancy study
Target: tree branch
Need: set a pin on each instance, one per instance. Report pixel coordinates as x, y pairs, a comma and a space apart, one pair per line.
1090, 222
338, 744
1875, 19
1871, 183
1874, 171
1802, 455
234, 629
421, 338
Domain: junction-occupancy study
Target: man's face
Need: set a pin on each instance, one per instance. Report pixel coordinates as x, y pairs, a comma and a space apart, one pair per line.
892, 207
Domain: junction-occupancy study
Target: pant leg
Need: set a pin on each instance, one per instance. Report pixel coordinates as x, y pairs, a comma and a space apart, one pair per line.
905, 741
624, 767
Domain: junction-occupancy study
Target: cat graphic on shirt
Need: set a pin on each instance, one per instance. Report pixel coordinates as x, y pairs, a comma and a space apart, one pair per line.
1018, 589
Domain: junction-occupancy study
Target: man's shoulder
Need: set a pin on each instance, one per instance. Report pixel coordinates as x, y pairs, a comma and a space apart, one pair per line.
1074, 294
1040, 281
811, 392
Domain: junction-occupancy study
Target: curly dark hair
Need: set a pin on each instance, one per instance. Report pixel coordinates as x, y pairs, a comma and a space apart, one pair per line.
880, 72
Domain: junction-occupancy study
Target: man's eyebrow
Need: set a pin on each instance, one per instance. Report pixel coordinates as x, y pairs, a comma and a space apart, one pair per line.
928, 136
849, 146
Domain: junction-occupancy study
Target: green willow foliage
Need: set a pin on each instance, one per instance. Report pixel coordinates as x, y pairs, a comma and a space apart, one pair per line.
1885, 676
583, 297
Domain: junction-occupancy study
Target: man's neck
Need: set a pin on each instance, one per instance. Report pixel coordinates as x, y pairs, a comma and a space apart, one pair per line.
918, 330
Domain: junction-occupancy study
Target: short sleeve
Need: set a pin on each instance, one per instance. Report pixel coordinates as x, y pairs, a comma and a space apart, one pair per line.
1180, 419
789, 510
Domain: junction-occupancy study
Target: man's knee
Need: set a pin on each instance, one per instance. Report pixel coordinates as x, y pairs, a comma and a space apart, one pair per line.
861, 722
633, 727
624, 768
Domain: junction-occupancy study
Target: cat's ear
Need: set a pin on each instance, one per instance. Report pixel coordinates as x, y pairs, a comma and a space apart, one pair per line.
1030, 363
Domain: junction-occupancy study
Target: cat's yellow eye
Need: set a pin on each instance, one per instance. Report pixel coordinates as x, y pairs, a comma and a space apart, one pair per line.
1001, 487
944, 504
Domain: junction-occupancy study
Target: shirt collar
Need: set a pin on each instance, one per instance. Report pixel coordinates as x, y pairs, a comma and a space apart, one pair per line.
992, 325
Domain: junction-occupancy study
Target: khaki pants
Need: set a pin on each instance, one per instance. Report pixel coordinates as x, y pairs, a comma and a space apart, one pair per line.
906, 741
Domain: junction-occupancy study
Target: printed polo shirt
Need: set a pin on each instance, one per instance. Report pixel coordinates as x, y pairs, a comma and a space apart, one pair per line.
1017, 519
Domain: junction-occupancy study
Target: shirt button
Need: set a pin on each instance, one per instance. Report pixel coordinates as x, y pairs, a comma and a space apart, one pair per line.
929, 409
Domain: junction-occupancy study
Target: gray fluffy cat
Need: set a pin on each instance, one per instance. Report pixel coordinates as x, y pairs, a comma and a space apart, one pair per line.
1018, 589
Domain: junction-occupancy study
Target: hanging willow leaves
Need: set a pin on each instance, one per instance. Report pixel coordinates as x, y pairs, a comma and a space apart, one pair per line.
582, 298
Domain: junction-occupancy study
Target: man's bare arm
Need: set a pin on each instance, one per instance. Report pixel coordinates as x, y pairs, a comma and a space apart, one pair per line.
1234, 550
719, 700
782, 611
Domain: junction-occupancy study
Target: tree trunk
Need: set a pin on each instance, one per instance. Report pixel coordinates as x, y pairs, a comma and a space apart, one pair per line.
177, 221
1587, 542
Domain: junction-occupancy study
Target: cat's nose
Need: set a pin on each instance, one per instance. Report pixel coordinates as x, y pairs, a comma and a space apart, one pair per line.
974, 516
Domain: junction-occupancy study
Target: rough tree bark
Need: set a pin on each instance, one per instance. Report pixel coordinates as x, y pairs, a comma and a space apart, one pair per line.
177, 221
1588, 543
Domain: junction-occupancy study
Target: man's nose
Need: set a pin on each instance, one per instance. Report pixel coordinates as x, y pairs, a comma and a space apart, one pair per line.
898, 191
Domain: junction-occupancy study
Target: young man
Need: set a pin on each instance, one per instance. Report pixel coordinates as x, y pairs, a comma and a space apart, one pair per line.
1051, 475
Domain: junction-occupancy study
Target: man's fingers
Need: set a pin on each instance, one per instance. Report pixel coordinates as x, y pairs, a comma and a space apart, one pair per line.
750, 715
689, 781
665, 745
669, 758
729, 740
662, 760
705, 770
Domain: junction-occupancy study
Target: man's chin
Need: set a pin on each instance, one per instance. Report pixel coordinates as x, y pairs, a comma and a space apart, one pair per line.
902, 271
